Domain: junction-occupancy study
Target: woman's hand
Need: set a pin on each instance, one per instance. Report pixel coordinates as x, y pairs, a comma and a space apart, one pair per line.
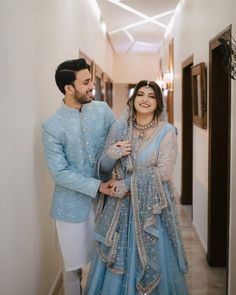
119, 189
125, 147
120, 149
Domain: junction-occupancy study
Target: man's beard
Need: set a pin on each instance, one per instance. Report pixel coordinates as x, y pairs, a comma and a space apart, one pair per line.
83, 98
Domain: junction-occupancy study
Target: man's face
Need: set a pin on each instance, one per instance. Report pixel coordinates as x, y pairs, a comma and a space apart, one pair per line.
83, 87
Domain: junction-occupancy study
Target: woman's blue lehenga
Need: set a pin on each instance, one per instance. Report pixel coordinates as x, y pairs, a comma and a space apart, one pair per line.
136, 254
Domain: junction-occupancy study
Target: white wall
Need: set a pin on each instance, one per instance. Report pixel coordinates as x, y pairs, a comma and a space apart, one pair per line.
120, 92
196, 23
35, 37
131, 68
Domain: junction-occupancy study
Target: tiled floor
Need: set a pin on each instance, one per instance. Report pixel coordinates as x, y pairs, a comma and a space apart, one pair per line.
202, 279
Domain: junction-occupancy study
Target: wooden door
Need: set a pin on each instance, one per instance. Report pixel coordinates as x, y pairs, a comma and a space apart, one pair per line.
187, 134
219, 156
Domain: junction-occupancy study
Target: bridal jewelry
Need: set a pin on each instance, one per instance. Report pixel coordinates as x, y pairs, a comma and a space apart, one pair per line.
143, 128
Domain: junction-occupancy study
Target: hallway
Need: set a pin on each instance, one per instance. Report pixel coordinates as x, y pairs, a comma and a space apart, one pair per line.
202, 279
38, 35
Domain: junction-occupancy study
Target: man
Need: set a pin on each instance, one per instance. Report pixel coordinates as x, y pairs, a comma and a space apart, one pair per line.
73, 138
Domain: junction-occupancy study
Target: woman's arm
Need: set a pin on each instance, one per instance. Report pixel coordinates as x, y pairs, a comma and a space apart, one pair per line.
112, 154
115, 148
167, 154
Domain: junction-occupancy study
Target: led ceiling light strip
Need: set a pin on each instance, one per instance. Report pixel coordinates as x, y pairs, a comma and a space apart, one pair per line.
131, 39
129, 35
146, 44
129, 26
163, 14
136, 12
142, 22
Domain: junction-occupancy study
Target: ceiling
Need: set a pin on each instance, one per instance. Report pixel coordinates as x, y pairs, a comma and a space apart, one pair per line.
136, 26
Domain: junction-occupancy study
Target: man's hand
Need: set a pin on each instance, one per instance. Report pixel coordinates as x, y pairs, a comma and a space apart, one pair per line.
106, 187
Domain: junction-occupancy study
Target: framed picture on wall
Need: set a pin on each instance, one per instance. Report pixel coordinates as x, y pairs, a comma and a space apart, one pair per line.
199, 95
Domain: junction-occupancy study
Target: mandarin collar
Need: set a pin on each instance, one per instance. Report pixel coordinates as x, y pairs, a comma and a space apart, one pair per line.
72, 110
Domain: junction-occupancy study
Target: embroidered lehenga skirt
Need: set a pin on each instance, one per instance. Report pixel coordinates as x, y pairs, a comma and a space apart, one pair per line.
103, 281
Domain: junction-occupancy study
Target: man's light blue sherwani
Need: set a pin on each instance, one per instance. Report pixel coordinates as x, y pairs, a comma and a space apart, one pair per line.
72, 141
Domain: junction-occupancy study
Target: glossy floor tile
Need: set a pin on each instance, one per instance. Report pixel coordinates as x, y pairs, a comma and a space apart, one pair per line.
202, 279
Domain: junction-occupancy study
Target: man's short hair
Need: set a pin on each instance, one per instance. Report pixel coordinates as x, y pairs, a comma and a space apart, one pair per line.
66, 72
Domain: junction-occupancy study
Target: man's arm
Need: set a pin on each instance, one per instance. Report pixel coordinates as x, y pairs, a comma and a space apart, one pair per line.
60, 170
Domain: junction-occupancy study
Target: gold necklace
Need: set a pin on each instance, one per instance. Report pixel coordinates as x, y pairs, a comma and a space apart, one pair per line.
144, 127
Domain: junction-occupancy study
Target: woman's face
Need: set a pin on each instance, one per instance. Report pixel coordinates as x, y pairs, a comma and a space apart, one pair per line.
145, 101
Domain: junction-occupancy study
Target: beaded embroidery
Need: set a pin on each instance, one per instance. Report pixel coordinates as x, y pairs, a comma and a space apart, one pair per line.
151, 191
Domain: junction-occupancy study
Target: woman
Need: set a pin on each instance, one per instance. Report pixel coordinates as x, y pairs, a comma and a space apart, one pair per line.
139, 247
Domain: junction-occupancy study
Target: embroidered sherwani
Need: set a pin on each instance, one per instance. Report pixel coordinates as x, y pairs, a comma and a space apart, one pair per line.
139, 246
73, 140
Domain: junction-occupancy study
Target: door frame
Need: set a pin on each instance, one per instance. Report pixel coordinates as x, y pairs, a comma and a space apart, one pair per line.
215, 204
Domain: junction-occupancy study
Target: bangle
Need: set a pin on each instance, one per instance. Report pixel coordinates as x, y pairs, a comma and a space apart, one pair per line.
114, 152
